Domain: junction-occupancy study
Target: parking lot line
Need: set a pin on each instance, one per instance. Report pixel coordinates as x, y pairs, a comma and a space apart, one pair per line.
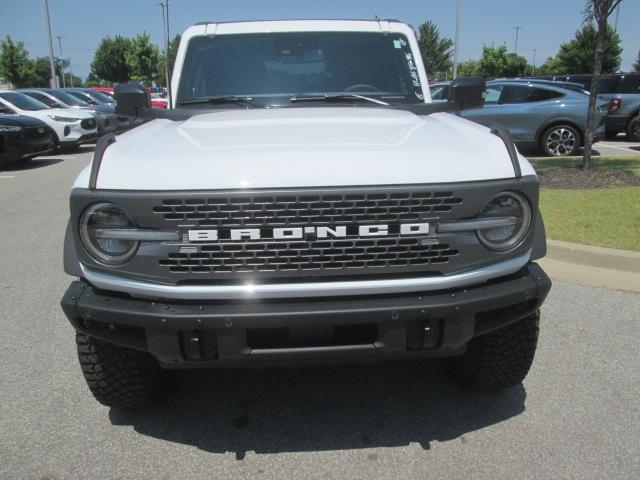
7, 176
618, 148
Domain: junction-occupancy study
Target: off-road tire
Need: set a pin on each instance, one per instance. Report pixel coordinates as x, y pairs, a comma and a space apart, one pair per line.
633, 129
119, 376
499, 359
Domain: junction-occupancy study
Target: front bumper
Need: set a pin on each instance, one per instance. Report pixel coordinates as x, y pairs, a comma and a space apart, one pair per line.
17, 146
286, 331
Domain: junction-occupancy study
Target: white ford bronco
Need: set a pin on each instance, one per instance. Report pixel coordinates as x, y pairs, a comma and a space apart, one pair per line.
302, 201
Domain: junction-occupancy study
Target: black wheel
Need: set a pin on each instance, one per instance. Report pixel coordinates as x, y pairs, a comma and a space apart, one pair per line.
560, 141
119, 376
633, 129
497, 360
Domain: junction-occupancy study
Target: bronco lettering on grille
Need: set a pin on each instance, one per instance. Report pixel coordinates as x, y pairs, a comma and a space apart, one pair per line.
308, 233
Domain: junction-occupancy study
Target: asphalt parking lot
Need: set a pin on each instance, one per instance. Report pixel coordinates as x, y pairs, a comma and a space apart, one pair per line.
576, 416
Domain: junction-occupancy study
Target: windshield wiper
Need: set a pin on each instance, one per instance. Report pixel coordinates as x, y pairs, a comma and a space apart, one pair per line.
220, 101
336, 97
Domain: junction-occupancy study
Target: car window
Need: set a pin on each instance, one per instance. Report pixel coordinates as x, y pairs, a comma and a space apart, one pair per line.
492, 94
608, 84
526, 94
99, 96
22, 101
43, 98
5, 109
68, 99
630, 84
439, 92
84, 97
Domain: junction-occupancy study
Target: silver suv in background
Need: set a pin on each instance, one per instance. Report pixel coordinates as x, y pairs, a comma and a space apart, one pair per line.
537, 114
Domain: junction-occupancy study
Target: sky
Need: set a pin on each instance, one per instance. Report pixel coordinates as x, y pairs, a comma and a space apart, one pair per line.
83, 23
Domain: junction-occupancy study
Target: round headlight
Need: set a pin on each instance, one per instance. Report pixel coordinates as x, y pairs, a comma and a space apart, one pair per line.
512, 215
97, 228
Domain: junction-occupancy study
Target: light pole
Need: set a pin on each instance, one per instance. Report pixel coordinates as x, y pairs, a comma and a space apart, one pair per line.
54, 79
64, 82
617, 15
166, 44
533, 67
457, 43
517, 29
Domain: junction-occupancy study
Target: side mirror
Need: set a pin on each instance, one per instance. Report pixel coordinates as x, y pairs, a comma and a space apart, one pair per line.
467, 93
132, 99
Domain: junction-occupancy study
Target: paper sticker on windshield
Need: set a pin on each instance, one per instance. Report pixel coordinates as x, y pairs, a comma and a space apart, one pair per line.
397, 44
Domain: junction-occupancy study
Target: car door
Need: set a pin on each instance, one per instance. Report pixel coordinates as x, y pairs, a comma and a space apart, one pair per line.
490, 113
524, 109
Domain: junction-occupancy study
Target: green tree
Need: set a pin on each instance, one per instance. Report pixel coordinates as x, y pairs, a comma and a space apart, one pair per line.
636, 66
143, 58
436, 51
497, 62
598, 12
109, 61
577, 55
551, 66
92, 80
15, 65
41, 72
470, 68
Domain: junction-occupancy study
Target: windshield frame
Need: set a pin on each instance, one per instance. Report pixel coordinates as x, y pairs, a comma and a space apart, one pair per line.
412, 78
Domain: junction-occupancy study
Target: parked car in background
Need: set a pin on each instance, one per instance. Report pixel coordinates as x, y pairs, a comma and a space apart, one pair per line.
622, 90
92, 97
105, 90
22, 138
105, 114
71, 127
539, 115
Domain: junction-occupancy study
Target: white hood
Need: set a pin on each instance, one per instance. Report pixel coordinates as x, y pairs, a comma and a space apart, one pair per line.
302, 147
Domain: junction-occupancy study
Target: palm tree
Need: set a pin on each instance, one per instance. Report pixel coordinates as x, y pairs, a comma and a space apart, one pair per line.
597, 11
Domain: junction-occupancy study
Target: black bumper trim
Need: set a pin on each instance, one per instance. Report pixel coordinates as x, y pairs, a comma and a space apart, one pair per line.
463, 314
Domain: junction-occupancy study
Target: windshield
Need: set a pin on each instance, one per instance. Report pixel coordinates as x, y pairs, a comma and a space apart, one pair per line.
273, 67
22, 101
84, 98
68, 99
99, 96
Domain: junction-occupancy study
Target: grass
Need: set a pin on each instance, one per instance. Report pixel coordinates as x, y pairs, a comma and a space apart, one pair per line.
608, 217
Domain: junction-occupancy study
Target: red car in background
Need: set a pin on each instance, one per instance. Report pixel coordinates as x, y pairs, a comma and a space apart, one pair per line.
156, 101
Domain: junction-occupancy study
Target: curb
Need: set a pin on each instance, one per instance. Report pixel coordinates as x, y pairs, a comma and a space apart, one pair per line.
593, 266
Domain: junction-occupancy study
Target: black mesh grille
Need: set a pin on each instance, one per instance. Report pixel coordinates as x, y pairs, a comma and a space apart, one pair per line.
348, 254
37, 132
306, 210
309, 256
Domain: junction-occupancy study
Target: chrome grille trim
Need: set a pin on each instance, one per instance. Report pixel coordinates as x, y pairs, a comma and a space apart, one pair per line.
301, 289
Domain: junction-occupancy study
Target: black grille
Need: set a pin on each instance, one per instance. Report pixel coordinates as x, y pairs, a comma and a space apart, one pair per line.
37, 132
309, 256
88, 123
306, 210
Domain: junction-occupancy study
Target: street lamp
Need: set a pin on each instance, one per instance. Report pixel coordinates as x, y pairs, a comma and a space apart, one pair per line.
533, 67
165, 29
517, 29
457, 43
64, 82
54, 79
